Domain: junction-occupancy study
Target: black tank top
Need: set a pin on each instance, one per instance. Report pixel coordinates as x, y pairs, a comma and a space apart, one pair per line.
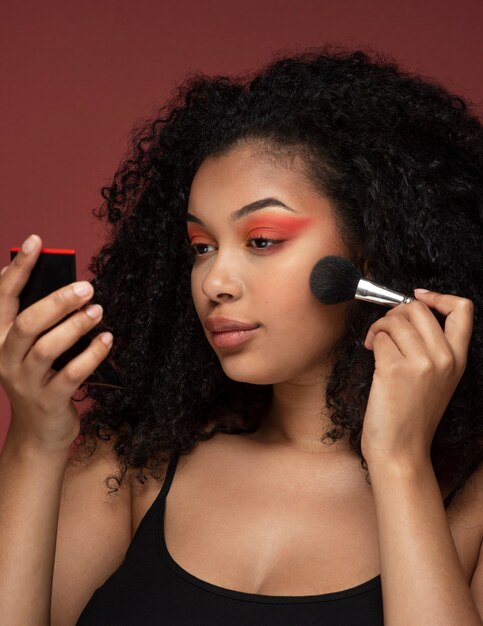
150, 589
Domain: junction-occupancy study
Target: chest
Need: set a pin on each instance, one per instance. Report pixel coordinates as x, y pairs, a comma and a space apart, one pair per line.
247, 524
270, 533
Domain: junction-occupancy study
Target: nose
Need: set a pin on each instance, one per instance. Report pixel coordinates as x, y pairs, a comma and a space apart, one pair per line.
222, 281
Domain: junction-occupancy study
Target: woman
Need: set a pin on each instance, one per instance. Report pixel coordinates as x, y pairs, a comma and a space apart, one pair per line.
322, 465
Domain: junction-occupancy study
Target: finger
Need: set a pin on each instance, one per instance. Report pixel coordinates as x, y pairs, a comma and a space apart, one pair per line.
459, 320
39, 317
403, 334
13, 280
72, 375
385, 350
428, 328
39, 359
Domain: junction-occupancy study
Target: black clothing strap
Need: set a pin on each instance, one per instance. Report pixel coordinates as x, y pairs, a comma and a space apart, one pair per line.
150, 589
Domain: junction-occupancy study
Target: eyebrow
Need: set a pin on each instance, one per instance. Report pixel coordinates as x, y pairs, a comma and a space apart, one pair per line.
246, 210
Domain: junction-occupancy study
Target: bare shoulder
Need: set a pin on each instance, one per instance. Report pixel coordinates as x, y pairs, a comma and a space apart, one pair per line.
96, 524
93, 534
144, 494
465, 517
467, 507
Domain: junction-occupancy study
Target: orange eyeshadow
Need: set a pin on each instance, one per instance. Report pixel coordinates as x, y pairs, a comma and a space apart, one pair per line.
281, 226
286, 225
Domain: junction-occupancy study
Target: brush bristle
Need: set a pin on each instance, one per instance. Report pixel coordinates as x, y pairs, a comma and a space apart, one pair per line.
334, 279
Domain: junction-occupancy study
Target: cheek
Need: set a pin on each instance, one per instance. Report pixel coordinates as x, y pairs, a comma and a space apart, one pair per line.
196, 294
289, 304
286, 300
292, 279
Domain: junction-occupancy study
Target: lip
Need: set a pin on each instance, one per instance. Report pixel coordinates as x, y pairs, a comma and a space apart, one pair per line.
223, 324
232, 338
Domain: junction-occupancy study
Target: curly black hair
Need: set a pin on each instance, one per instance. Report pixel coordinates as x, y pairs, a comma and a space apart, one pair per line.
401, 160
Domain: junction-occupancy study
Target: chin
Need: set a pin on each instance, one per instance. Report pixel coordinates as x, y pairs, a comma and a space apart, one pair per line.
258, 374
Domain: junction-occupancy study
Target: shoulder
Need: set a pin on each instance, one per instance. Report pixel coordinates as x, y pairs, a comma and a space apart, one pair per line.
92, 477
144, 494
92, 455
466, 521
93, 530
465, 518
468, 504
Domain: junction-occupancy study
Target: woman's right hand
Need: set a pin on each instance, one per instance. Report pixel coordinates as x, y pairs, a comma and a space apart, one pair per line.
42, 411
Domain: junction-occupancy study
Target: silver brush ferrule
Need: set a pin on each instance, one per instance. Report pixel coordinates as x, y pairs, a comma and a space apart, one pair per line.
372, 292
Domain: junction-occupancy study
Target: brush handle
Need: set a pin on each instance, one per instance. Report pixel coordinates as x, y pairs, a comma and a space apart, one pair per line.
378, 294
372, 292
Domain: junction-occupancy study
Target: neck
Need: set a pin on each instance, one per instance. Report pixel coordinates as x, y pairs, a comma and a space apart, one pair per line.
298, 417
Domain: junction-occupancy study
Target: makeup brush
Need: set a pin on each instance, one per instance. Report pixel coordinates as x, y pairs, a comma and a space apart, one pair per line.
334, 279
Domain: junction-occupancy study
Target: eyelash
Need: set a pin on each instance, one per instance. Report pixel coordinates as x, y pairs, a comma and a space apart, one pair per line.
274, 243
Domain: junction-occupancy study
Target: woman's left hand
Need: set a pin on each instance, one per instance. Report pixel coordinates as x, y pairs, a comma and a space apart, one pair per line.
417, 369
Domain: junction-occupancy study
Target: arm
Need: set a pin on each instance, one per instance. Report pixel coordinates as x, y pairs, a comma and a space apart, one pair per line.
61, 535
418, 366
93, 534
422, 578
30, 487
44, 423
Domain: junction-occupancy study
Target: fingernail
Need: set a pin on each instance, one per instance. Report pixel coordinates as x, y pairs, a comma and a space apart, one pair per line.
29, 244
421, 291
107, 338
94, 310
82, 289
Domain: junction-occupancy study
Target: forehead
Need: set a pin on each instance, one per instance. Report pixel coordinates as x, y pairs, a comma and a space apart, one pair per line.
243, 173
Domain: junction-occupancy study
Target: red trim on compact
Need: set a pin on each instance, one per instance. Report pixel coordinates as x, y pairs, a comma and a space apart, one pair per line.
48, 250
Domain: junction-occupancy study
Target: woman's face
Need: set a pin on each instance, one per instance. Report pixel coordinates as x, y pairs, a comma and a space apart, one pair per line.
239, 277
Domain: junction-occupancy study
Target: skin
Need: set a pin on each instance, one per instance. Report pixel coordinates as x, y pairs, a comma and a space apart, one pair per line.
250, 282
418, 366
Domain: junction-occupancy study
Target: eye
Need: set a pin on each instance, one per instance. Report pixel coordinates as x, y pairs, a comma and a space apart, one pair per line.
198, 245
273, 243
265, 240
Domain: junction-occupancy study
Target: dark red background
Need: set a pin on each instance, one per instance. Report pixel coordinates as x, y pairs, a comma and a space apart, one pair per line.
76, 76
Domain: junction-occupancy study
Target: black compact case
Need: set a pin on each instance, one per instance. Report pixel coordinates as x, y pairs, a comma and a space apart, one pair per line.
54, 269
